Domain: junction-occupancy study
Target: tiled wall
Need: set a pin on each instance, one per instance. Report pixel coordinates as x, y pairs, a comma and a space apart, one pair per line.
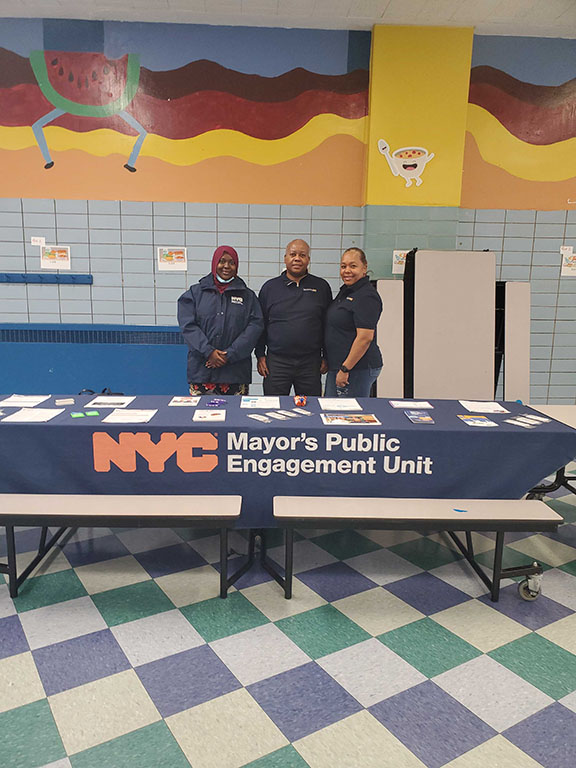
115, 242
527, 247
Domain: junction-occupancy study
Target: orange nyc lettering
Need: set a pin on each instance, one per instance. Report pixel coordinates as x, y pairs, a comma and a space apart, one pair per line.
123, 453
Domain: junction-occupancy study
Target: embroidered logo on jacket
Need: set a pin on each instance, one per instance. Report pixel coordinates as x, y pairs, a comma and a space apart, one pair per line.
236, 299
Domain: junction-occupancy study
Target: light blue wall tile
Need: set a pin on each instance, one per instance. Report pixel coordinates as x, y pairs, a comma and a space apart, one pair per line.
466, 214
11, 220
544, 286
487, 243
546, 273
327, 271
111, 236
137, 279
490, 215
105, 265
567, 313
353, 213
543, 299
326, 241
107, 319
442, 243
266, 254
551, 217
71, 307
166, 294
542, 326
141, 294
13, 264
483, 229
264, 211
291, 229
104, 206
12, 290
171, 280
80, 319
327, 212
12, 306
71, 206
11, 249
46, 305
570, 234
29, 233
542, 313
45, 317
201, 223
226, 224
71, 221
135, 208
201, 209
137, 236
567, 352
566, 327
169, 209
523, 244
107, 279
104, 221
138, 252
296, 212
550, 230
412, 227
263, 269
326, 256
169, 223
466, 228
238, 240
525, 230
270, 242
73, 236
571, 217
540, 259
201, 239
30, 205
539, 378
40, 220
136, 222
540, 366
327, 227
515, 273
464, 243
138, 307
521, 217
516, 258
10, 204
107, 307
105, 251
548, 244
169, 238
263, 225
355, 228
232, 210
444, 214
139, 266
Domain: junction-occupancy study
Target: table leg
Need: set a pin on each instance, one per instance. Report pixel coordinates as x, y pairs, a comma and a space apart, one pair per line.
497, 568
11, 551
223, 563
289, 563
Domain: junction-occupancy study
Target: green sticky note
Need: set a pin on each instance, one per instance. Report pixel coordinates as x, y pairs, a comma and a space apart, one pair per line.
76, 415
92, 413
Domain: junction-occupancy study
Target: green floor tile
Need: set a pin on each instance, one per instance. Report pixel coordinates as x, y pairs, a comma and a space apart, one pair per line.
29, 737
287, 757
430, 648
150, 747
425, 553
569, 567
345, 544
217, 618
540, 662
2, 579
322, 631
49, 589
511, 558
136, 601
568, 511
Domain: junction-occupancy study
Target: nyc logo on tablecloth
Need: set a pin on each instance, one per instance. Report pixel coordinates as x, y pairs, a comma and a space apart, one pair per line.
189, 448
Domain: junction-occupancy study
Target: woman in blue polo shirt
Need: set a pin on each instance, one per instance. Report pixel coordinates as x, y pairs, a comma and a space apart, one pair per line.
354, 360
221, 321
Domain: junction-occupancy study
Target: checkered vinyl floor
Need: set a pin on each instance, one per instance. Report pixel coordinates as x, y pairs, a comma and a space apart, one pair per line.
118, 653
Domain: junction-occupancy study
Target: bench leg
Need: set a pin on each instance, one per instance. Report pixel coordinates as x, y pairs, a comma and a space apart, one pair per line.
289, 563
497, 568
11, 551
223, 562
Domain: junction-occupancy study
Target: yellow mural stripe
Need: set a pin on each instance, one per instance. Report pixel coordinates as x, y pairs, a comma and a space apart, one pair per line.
219, 143
533, 162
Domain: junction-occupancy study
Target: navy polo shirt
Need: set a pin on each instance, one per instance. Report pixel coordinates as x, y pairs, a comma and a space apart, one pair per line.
293, 315
356, 306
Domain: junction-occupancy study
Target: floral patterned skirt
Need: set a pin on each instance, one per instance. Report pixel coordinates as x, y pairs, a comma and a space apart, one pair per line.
218, 389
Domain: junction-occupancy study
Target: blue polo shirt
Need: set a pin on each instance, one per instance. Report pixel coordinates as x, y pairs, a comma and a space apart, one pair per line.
293, 315
356, 306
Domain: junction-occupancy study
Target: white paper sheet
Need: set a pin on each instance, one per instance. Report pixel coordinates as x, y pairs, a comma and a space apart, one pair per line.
125, 416
210, 414
33, 415
481, 406
268, 401
110, 401
411, 404
184, 401
339, 404
24, 401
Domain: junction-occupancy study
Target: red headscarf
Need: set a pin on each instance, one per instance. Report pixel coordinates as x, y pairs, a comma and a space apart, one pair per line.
218, 253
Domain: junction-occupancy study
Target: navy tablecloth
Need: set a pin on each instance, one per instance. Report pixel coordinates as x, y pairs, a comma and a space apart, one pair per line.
172, 454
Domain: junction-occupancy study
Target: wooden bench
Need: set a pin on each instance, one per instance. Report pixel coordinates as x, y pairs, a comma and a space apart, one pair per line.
467, 515
74, 511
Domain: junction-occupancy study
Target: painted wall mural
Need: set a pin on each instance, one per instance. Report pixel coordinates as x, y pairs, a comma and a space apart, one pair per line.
521, 130
114, 110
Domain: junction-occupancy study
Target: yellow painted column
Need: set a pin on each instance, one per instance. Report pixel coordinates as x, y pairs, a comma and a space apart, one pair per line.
419, 84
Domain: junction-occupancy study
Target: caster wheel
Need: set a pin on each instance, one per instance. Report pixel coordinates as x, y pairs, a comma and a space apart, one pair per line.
536, 496
525, 592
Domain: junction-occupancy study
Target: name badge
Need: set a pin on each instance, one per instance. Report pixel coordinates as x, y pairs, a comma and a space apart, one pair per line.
310, 289
349, 298
236, 299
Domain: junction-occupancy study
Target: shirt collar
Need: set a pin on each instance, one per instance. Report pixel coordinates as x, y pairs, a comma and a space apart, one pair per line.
356, 286
293, 282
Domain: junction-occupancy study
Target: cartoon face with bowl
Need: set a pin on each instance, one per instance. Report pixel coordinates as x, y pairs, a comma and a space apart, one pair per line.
408, 162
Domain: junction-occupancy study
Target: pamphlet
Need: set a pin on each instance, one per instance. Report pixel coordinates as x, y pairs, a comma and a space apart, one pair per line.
65, 401
302, 411
125, 416
349, 419
290, 414
24, 401
477, 421
536, 417
209, 415
419, 417
339, 404
260, 402
277, 415
185, 400
260, 417
410, 404
110, 401
518, 423
33, 414
481, 406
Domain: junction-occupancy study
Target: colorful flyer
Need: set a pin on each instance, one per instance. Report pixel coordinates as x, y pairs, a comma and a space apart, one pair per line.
172, 259
477, 421
55, 257
568, 261
419, 417
398, 262
349, 419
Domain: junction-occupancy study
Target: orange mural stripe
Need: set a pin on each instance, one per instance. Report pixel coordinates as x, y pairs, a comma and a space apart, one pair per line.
331, 174
487, 186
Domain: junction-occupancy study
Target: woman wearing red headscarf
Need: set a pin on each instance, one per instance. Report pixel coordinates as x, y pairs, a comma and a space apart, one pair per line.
221, 321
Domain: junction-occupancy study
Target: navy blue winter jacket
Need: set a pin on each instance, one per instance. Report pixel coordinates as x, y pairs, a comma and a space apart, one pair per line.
230, 321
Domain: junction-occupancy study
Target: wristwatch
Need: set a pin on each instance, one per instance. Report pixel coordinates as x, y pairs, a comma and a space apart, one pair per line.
344, 369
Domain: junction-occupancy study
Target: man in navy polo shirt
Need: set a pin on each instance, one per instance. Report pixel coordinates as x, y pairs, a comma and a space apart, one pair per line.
290, 351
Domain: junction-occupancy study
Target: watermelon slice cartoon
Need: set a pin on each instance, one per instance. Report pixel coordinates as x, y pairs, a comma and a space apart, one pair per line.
86, 85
